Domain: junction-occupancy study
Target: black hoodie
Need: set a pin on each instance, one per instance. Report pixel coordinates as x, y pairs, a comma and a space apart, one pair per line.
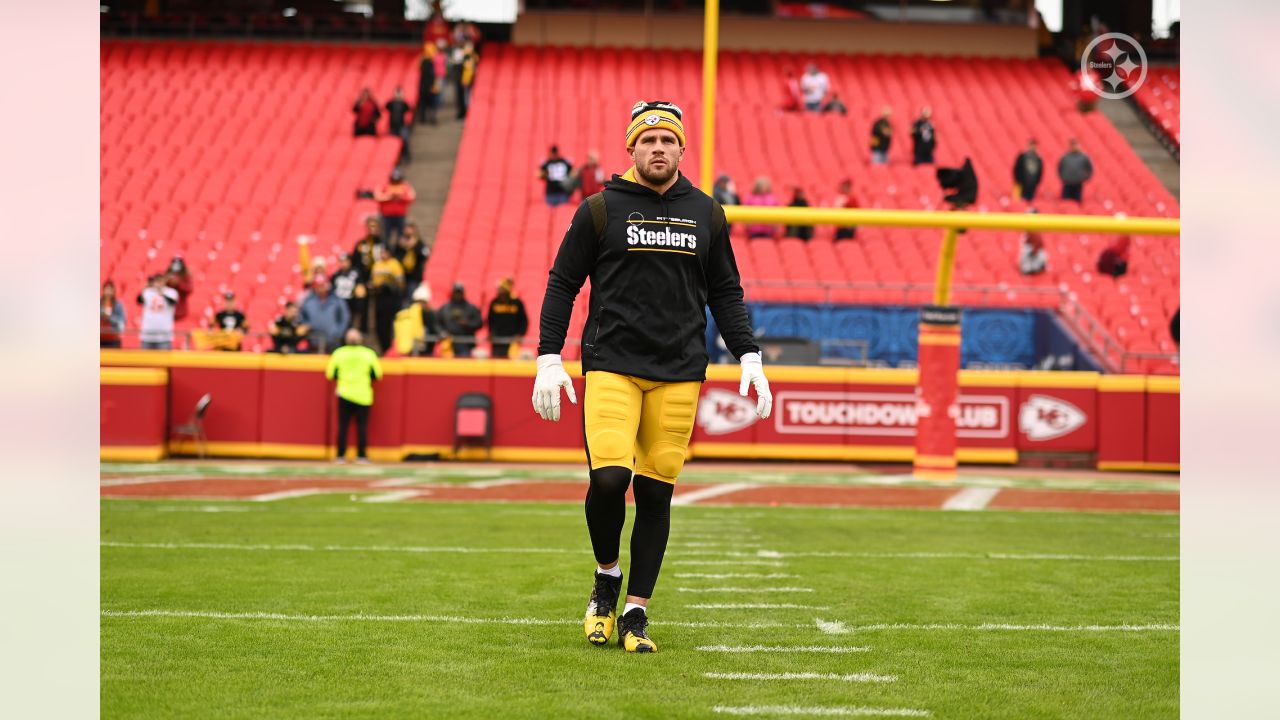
652, 272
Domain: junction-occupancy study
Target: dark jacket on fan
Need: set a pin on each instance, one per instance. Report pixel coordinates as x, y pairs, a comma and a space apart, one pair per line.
652, 272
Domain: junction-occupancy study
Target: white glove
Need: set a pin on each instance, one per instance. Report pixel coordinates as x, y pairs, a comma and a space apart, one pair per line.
753, 375
546, 387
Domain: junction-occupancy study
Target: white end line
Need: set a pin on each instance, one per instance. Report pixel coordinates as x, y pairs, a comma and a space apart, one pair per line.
818, 711
287, 494
781, 649
389, 497
706, 493
971, 498
851, 677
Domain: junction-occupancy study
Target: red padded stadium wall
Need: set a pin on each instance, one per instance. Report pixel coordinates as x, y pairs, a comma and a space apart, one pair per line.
1163, 417
133, 407
1122, 422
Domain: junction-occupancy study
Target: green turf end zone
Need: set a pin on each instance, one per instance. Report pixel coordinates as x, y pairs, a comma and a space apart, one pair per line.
322, 607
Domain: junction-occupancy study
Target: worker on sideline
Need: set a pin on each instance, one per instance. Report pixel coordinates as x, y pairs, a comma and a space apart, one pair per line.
355, 367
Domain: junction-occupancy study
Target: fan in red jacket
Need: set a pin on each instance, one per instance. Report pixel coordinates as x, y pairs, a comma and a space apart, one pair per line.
394, 200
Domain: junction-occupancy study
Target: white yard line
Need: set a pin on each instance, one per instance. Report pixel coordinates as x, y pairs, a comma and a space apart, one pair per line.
971, 498
706, 493
702, 544
335, 548
755, 606
390, 497
831, 627
484, 484
149, 480
701, 563
781, 649
817, 711
776, 555
396, 482
851, 677
507, 620
734, 576
288, 494
746, 590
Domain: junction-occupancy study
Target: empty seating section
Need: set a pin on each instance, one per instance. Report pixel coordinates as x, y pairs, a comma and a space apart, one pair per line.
227, 152
1158, 97
526, 99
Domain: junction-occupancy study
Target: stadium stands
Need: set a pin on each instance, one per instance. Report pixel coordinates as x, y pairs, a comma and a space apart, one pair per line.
1158, 97
227, 152
495, 222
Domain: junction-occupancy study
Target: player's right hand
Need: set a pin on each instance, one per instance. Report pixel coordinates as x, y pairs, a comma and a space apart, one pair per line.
546, 387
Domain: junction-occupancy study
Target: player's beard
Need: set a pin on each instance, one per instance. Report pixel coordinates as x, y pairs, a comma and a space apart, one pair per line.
659, 176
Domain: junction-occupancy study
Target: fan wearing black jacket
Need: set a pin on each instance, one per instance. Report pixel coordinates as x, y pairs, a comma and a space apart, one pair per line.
657, 252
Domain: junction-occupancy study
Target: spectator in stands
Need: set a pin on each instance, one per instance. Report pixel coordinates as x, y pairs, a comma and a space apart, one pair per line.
844, 199
111, 317
412, 255
287, 330
835, 105
386, 283
394, 200
802, 232
1074, 169
179, 278
1114, 259
400, 122
761, 194
367, 114
814, 87
791, 97
350, 286
460, 320
881, 137
437, 28
158, 302
362, 254
326, 317
1032, 257
1175, 327
590, 177
428, 85
555, 171
355, 368
725, 192
1027, 171
417, 326
466, 78
228, 325
508, 321
923, 140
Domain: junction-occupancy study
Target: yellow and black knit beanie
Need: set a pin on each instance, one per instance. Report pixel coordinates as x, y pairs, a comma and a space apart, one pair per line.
653, 115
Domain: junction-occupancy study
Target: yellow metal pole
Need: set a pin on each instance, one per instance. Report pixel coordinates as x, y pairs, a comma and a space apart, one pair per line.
710, 47
972, 220
946, 262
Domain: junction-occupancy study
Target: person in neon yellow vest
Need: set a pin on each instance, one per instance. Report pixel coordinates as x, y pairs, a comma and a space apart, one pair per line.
355, 367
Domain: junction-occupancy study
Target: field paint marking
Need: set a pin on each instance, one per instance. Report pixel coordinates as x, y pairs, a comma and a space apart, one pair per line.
150, 480
818, 711
389, 497
332, 548
466, 620
775, 555
780, 648
701, 544
730, 576
745, 590
971, 498
707, 493
202, 508
287, 494
755, 606
485, 484
395, 482
852, 677
744, 561
831, 627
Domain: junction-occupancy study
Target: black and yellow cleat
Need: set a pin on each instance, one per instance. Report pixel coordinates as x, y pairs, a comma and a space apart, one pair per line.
602, 609
633, 632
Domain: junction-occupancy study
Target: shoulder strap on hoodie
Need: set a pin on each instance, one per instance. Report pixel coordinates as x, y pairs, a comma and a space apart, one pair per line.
599, 213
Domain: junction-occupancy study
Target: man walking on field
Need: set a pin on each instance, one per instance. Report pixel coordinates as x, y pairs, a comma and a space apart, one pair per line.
657, 251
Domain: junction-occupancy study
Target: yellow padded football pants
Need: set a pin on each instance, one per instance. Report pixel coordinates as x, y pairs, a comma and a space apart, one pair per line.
642, 425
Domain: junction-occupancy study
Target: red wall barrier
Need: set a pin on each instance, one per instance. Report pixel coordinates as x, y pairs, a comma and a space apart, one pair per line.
133, 405
1122, 415
282, 406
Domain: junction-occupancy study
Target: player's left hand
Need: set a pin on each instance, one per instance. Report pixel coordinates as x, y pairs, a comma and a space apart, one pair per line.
753, 375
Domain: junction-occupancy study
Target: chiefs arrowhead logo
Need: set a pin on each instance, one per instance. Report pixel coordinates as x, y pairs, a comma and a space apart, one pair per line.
724, 411
1045, 418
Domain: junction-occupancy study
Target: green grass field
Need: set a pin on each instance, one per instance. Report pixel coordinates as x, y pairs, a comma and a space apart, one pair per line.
325, 607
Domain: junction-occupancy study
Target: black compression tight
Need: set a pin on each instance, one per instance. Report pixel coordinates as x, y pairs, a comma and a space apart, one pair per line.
607, 510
